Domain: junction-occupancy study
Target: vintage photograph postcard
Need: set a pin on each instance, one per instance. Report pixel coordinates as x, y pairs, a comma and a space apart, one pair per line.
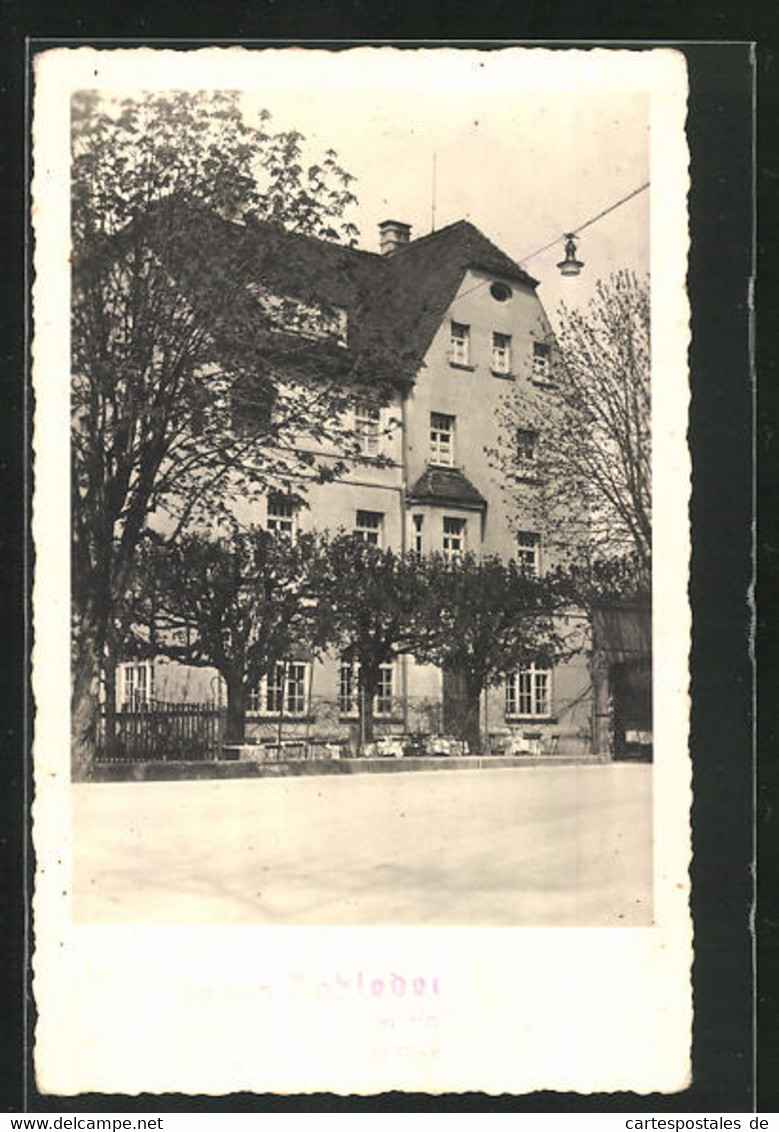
360, 609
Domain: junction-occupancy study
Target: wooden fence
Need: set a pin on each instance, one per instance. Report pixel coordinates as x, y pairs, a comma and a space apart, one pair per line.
155, 731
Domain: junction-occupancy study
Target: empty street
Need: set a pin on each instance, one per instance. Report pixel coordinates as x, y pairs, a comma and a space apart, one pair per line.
543, 846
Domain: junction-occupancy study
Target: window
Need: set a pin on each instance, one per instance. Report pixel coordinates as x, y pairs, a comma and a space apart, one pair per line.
349, 684
529, 551
137, 684
272, 694
296, 689
458, 343
368, 526
347, 688
501, 353
367, 421
418, 524
527, 438
283, 691
442, 439
527, 692
500, 292
541, 362
454, 538
281, 515
383, 702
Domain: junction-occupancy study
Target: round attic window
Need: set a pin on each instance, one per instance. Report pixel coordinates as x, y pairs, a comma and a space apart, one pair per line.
500, 292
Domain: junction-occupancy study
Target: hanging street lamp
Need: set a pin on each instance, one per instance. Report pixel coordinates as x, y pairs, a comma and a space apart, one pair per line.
570, 265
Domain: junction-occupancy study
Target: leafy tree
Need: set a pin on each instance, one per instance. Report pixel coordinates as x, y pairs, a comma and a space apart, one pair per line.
237, 603
181, 397
577, 448
487, 617
369, 600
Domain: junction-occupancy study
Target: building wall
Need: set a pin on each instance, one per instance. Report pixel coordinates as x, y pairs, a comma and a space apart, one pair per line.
474, 396
567, 729
366, 486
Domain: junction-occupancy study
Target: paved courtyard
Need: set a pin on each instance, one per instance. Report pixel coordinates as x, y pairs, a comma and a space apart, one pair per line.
569, 845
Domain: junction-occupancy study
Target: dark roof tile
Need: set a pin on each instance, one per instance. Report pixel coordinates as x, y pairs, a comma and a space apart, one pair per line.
445, 485
394, 303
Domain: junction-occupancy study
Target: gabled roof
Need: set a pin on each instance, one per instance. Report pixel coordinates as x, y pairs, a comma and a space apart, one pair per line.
420, 280
394, 303
446, 485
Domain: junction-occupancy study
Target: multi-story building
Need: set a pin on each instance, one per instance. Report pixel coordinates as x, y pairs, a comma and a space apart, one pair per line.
468, 330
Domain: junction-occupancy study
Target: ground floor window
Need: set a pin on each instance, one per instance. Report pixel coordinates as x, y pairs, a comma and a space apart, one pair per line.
282, 691
383, 704
528, 692
454, 538
136, 684
418, 524
348, 689
368, 525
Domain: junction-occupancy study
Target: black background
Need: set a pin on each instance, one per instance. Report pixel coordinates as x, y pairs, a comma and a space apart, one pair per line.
723, 442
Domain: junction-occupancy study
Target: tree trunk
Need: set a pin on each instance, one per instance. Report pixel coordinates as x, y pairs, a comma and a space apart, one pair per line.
109, 684
90, 619
471, 730
236, 708
369, 683
84, 702
461, 708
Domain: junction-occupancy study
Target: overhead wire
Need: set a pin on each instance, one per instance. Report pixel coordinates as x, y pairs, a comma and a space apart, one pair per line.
586, 224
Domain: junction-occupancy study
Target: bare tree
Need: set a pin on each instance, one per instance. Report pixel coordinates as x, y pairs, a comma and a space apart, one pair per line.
576, 447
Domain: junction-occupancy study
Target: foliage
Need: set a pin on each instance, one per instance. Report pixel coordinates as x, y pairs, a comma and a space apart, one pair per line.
476, 618
486, 618
589, 482
369, 603
129, 153
176, 409
242, 604
238, 604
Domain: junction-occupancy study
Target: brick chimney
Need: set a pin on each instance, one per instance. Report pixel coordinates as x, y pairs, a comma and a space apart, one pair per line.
392, 235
